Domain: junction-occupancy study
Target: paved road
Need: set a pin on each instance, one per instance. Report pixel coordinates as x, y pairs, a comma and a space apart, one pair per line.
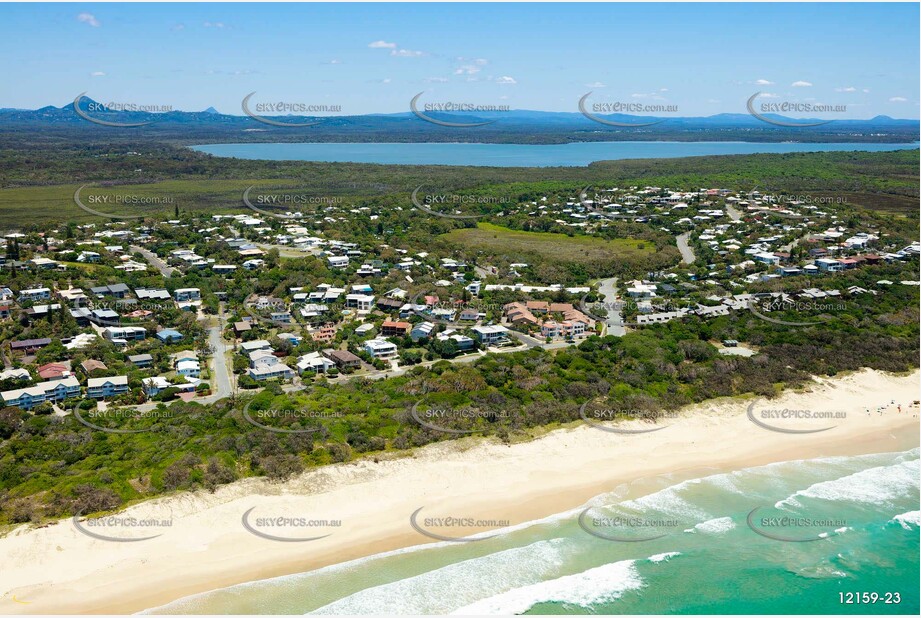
687, 254
734, 214
155, 261
615, 320
221, 376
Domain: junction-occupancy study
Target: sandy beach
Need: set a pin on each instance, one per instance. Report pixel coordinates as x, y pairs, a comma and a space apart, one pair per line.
57, 569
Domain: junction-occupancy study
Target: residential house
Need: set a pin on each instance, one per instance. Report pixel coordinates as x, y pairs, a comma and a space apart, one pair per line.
29, 346
99, 388
315, 362
490, 335
54, 390
188, 367
342, 358
118, 334
54, 371
168, 335
380, 348
34, 294
91, 365
141, 360
395, 329
421, 330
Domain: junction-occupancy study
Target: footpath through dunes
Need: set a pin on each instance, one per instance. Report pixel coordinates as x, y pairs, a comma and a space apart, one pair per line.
473, 477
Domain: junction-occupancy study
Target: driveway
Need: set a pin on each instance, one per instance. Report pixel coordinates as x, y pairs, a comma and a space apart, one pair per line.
687, 254
615, 320
154, 261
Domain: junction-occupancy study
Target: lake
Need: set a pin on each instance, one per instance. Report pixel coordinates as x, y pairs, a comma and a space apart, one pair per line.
515, 155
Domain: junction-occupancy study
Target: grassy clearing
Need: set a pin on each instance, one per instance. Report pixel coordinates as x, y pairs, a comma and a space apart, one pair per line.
557, 247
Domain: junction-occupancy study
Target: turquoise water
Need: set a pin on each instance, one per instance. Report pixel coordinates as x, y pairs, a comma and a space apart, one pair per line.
516, 155
707, 559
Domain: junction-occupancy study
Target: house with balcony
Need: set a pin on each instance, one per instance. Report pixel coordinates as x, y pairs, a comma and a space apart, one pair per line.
188, 367
52, 391
117, 334
314, 362
492, 334
361, 302
100, 388
187, 294
34, 294
395, 329
380, 348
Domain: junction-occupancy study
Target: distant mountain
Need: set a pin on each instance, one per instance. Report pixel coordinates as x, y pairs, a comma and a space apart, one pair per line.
517, 126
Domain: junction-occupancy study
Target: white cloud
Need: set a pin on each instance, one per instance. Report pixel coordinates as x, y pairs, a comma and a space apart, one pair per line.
595, 85
898, 100
437, 80
88, 18
382, 45
663, 89
768, 95
178, 27
763, 82
867, 90
214, 24
800, 84
713, 101
846, 89
505, 79
481, 61
97, 74
467, 69
406, 53
334, 61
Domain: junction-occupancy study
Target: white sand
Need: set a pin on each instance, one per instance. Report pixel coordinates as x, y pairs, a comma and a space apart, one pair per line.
56, 569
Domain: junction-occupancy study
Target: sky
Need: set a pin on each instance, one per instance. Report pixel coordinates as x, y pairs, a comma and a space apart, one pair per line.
373, 58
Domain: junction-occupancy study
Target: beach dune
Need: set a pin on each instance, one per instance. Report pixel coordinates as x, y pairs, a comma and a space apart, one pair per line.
58, 569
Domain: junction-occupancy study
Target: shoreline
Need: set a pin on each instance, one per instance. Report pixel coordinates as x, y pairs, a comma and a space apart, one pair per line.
55, 569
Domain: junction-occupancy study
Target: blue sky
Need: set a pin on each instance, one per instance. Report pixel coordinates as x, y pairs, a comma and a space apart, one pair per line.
704, 58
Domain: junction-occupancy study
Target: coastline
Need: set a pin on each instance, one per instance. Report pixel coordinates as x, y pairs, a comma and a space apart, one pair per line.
208, 548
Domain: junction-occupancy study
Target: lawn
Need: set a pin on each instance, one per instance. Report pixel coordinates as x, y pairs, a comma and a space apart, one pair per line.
495, 239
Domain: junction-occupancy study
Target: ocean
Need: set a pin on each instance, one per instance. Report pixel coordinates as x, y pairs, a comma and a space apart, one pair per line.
515, 155
797, 537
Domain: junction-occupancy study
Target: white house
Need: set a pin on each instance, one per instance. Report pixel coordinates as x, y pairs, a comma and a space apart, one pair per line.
490, 335
380, 348
314, 362
188, 367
